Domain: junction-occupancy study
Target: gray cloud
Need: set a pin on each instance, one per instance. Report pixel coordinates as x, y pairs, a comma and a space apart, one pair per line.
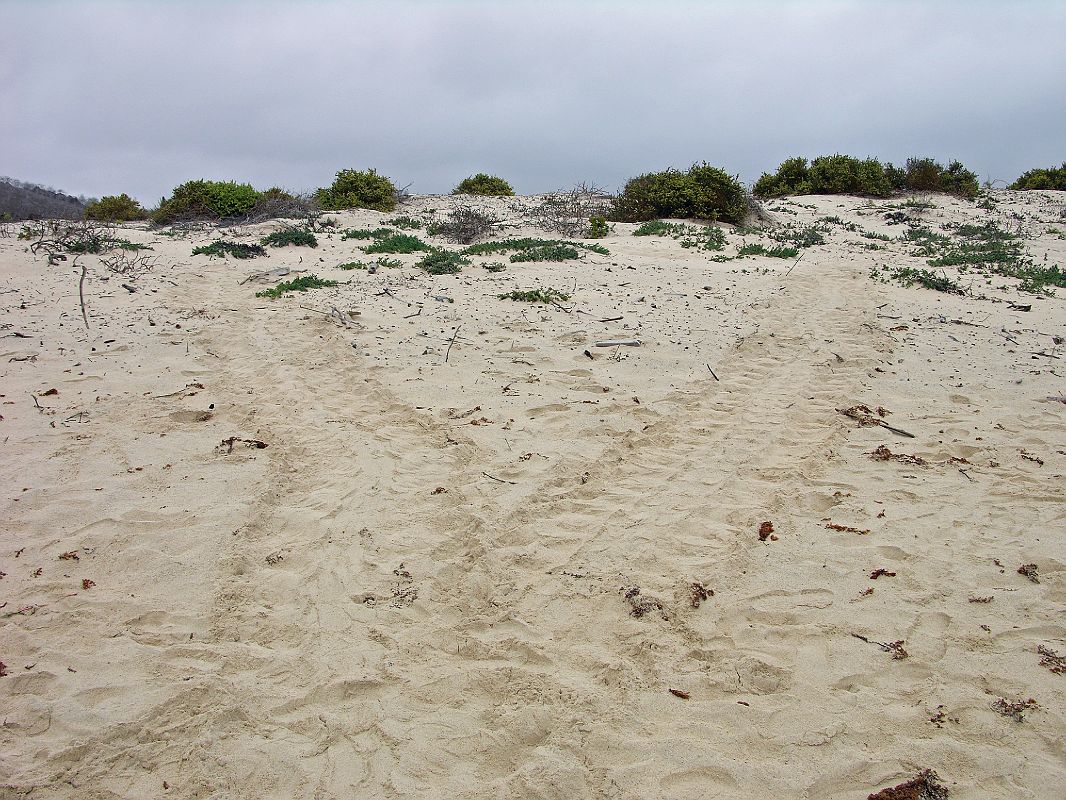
104, 97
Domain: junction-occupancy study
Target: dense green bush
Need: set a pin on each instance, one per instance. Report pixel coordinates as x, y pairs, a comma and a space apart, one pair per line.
222, 248
301, 237
442, 262
355, 189
702, 192
487, 185
115, 208
1050, 178
206, 199
840, 174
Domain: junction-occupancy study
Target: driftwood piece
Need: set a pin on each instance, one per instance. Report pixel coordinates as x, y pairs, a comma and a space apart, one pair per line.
619, 343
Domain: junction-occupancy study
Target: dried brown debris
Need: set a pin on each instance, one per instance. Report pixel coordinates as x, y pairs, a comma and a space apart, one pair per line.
1029, 571
882, 453
699, 593
877, 573
641, 605
926, 786
1015, 709
1052, 660
766, 530
680, 693
846, 529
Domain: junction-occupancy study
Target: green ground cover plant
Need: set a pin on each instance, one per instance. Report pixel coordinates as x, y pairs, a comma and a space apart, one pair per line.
548, 252
354, 189
772, 252
442, 262
701, 192
222, 248
842, 174
299, 237
397, 243
301, 284
504, 245
366, 233
798, 236
485, 185
546, 296
405, 223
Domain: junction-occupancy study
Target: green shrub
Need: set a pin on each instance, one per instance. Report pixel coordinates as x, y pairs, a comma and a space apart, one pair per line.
222, 248
658, 227
405, 223
206, 200
548, 252
1050, 178
354, 189
115, 208
545, 296
772, 252
482, 184
939, 282
301, 237
798, 237
442, 262
703, 192
503, 245
364, 233
597, 227
1037, 280
301, 284
397, 243
840, 174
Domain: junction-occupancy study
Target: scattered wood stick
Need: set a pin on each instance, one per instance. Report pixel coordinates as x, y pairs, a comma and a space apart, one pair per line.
794, 265
712, 372
81, 295
619, 343
451, 342
499, 480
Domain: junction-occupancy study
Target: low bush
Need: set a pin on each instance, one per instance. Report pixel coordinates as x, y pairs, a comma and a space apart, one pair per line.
597, 227
841, 174
216, 200
464, 224
354, 189
301, 237
1050, 178
365, 233
772, 252
405, 223
939, 282
486, 185
548, 252
545, 296
442, 262
301, 284
222, 248
503, 245
115, 208
702, 192
397, 243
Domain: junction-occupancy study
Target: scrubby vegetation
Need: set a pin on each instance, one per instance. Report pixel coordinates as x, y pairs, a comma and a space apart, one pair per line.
383, 262
76, 237
937, 281
405, 223
301, 237
546, 296
115, 208
354, 189
397, 243
301, 284
709, 237
217, 200
442, 262
702, 192
222, 248
504, 245
464, 224
597, 227
486, 185
841, 174
365, 233
20, 201
772, 252
1050, 178
548, 252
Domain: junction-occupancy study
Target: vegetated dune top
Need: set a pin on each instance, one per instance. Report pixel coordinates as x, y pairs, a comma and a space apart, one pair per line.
479, 556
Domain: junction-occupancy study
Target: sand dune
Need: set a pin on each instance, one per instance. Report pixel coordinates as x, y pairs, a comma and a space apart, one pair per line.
475, 562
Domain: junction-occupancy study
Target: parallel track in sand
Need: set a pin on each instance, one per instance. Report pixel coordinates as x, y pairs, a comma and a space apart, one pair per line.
358, 633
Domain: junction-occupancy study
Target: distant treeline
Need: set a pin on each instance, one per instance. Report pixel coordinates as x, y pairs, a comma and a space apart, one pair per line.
702, 192
20, 200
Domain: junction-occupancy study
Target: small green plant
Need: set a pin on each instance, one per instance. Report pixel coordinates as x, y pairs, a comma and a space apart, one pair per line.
300, 237
702, 192
405, 223
503, 245
494, 266
546, 296
383, 262
1050, 178
597, 227
366, 233
206, 200
548, 252
442, 262
798, 236
115, 208
301, 284
222, 248
772, 252
354, 189
486, 185
658, 227
939, 282
1039, 280
397, 243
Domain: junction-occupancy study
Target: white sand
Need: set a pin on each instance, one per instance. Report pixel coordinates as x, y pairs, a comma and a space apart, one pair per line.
315, 619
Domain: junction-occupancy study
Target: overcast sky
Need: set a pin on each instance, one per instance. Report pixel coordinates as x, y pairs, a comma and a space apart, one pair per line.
108, 97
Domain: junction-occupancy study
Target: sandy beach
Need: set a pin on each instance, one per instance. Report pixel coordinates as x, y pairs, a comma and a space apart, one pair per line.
402, 538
